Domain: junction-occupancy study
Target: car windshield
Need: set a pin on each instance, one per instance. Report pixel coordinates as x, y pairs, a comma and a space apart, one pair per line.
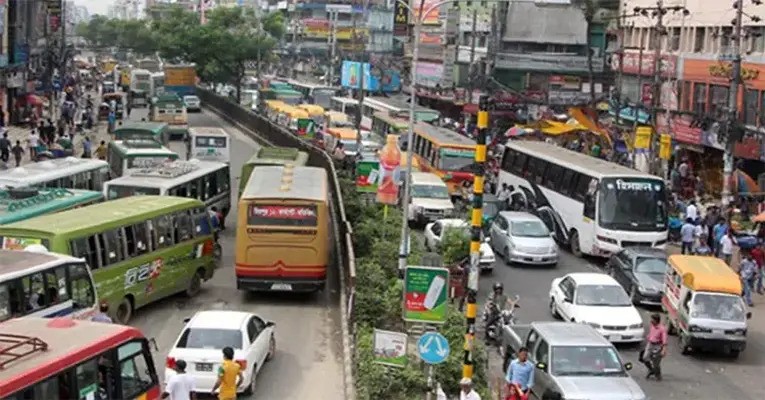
601, 295
430, 192
209, 338
350, 145
632, 204
720, 307
534, 229
651, 265
586, 361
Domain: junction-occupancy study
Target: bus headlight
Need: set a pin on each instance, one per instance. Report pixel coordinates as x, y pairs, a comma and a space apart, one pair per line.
607, 240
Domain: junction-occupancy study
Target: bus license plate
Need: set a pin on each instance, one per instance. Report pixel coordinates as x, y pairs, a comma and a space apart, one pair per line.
204, 367
281, 286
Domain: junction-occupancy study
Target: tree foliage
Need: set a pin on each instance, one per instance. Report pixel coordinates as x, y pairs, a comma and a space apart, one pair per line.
220, 48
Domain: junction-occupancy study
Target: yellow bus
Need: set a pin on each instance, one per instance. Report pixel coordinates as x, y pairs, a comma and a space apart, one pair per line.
445, 153
283, 235
272, 109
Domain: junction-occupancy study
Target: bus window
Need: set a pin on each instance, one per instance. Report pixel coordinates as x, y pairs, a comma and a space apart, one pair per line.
183, 226
113, 242
34, 292
137, 239
164, 229
5, 302
135, 371
82, 292
55, 286
194, 189
87, 378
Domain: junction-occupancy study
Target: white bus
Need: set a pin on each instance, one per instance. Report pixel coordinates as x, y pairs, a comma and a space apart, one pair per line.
42, 284
347, 106
594, 206
207, 181
395, 107
124, 155
208, 144
68, 173
316, 94
157, 83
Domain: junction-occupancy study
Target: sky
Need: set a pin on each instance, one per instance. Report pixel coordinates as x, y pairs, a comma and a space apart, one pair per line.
95, 6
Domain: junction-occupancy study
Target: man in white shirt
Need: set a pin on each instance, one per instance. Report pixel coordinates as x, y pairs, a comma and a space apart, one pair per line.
726, 247
466, 390
692, 211
180, 386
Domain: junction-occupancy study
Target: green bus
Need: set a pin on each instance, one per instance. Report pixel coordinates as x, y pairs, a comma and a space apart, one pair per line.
140, 248
289, 96
127, 154
21, 204
383, 125
271, 156
157, 131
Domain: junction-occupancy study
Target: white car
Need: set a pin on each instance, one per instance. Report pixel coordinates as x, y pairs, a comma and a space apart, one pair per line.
202, 340
192, 103
434, 233
599, 301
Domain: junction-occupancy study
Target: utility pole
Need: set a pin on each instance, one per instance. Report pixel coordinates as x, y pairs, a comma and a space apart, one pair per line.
639, 102
362, 75
471, 69
730, 140
62, 56
332, 45
620, 71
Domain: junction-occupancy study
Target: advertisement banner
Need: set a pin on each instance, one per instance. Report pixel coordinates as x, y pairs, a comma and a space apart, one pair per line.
401, 20
306, 128
425, 294
321, 29
665, 147
430, 38
429, 74
180, 76
390, 348
367, 175
429, 7
375, 79
643, 137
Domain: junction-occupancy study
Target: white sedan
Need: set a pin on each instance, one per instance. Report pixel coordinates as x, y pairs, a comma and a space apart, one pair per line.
202, 340
599, 301
434, 233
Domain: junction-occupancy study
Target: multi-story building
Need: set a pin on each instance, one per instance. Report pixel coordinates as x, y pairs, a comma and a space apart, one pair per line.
695, 71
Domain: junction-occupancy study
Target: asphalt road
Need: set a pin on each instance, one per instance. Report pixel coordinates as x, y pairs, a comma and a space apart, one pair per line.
308, 360
701, 377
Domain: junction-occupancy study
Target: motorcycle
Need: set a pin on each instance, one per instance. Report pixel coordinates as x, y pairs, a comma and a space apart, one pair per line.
495, 319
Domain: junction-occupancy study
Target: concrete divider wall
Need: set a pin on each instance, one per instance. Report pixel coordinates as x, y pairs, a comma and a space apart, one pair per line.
258, 126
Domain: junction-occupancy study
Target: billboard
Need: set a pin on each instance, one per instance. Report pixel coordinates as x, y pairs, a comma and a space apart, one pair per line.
430, 7
401, 20
429, 74
321, 29
375, 79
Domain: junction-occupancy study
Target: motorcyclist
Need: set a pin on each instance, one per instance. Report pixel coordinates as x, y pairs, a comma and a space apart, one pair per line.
497, 302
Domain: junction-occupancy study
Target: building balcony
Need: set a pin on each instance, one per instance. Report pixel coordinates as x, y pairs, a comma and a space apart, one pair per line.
559, 62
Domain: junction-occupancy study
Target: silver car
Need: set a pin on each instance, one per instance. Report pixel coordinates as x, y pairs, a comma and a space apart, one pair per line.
522, 238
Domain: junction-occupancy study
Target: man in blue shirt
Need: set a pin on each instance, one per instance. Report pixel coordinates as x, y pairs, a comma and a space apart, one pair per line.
686, 235
520, 375
720, 229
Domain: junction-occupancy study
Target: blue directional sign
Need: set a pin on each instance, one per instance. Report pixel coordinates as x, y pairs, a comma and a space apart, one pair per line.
433, 348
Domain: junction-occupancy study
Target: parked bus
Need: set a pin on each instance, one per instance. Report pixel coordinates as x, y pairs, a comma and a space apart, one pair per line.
347, 106
18, 205
207, 181
316, 94
129, 154
208, 144
271, 156
73, 359
595, 206
445, 153
396, 107
384, 124
44, 284
140, 249
157, 131
283, 235
69, 173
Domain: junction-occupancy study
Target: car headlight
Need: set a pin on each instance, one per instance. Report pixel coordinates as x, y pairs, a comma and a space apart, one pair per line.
636, 326
594, 325
695, 328
737, 332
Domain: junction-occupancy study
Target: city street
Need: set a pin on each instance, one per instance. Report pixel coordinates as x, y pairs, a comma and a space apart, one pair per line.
307, 363
703, 376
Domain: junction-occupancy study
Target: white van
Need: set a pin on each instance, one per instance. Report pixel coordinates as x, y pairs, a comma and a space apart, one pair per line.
208, 144
430, 199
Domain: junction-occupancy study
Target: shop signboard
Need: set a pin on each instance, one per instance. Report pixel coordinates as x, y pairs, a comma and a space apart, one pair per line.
632, 63
431, 8
665, 146
425, 294
643, 137
401, 20
390, 348
429, 74
375, 79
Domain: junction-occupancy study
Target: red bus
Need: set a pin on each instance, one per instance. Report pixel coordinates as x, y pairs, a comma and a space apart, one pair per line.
70, 359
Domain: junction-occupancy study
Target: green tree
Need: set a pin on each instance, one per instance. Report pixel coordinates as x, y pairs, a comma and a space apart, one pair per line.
455, 246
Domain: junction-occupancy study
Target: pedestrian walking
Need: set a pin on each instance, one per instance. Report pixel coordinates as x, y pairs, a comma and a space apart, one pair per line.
229, 376
692, 211
18, 152
726, 247
33, 141
103, 314
719, 231
112, 121
101, 151
466, 390
655, 348
87, 148
179, 386
748, 273
520, 376
5, 148
2, 117
687, 232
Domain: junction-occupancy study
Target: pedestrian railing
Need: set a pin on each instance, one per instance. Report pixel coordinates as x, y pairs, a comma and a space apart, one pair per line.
263, 130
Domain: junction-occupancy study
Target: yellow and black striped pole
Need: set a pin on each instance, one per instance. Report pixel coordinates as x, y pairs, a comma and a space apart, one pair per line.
475, 239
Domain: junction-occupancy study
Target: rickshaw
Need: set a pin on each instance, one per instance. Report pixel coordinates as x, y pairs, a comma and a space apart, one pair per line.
107, 99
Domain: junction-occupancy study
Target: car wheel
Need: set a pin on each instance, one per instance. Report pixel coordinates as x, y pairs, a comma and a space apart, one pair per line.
574, 244
124, 311
554, 309
271, 349
251, 387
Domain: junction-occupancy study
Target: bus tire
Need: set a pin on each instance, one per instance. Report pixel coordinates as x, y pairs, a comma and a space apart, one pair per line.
574, 245
125, 310
195, 284
217, 252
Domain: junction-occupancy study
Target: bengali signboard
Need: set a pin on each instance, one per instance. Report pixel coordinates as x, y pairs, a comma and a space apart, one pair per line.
401, 20
390, 348
425, 294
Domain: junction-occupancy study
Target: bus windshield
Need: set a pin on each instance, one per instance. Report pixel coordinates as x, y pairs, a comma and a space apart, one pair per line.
635, 204
120, 191
455, 160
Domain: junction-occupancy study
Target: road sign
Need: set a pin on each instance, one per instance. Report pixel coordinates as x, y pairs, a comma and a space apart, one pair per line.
433, 348
426, 294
